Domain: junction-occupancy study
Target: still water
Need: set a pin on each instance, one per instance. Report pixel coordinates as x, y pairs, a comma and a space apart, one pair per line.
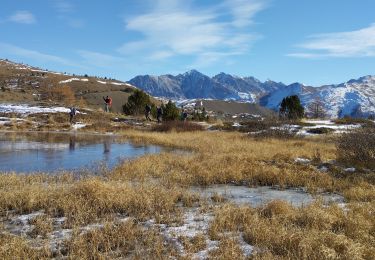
51, 152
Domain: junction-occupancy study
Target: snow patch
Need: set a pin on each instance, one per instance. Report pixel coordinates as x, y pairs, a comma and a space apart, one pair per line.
302, 160
78, 125
26, 109
71, 80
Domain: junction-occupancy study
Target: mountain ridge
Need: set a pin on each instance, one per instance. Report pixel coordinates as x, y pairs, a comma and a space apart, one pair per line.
356, 97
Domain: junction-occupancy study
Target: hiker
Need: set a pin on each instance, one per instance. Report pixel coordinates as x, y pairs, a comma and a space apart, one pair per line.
147, 112
159, 114
72, 113
184, 115
108, 103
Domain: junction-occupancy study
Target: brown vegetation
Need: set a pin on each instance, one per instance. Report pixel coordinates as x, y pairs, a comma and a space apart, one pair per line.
177, 126
357, 148
156, 187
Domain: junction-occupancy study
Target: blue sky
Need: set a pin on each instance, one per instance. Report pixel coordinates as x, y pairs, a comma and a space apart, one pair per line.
311, 41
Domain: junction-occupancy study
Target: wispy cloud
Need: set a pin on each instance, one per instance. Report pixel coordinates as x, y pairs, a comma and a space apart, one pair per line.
99, 59
66, 10
24, 17
243, 11
63, 6
179, 28
359, 43
9, 49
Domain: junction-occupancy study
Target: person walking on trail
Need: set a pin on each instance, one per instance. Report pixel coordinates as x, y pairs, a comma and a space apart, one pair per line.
159, 114
72, 113
184, 116
108, 103
147, 112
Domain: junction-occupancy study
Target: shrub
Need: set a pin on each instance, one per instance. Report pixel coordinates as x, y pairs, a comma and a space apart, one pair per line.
63, 94
178, 126
357, 148
170, 112
351, 120
277, 133
258, 125
136, 103
320, 130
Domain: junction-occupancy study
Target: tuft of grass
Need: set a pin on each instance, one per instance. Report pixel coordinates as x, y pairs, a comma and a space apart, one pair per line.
228, 249
42, 226
193, 244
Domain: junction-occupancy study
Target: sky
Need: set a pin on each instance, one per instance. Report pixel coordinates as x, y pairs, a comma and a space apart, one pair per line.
314, 42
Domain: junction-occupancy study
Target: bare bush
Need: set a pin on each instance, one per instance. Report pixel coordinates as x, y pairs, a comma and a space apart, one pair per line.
178, 126
357, 148
277, 133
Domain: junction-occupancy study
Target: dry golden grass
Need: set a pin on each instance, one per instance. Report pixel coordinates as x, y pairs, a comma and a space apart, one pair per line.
89, 200
156, 187
312, 232
231, 157
42, 226
14, 247
114, 240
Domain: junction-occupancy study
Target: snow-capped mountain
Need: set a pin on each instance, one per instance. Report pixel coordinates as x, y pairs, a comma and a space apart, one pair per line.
194, 84
355, 97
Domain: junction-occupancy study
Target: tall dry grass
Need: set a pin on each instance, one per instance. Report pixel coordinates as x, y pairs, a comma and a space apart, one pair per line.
278, 230
156, 186
89, 200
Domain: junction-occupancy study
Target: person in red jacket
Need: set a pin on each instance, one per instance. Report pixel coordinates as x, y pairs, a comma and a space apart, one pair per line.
108, 103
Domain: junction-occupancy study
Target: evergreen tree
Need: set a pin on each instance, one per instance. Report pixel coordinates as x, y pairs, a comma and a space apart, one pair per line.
291, 108
170, 112
136, 103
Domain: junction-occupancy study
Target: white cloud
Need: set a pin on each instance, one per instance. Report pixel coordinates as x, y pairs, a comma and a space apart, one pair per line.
359, 43
178, 28
63, 6
24, 17
244, 11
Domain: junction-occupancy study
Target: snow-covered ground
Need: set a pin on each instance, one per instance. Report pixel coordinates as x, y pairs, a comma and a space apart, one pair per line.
26, 109
78, 125
71, 80
194, 223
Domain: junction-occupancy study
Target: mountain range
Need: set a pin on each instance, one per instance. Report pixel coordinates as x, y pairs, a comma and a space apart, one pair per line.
352, 98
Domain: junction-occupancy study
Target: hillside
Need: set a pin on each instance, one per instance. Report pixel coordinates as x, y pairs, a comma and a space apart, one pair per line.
354, 98
21, 83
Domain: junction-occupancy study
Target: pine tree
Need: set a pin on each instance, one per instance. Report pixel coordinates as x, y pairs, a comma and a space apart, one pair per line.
170, 112
136, 103
291, 108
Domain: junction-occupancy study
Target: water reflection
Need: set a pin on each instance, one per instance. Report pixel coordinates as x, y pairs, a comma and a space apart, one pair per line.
48, 152
72, 143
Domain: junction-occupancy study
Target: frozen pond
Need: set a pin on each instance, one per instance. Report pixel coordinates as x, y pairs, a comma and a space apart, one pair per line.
50, 152
261, 195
